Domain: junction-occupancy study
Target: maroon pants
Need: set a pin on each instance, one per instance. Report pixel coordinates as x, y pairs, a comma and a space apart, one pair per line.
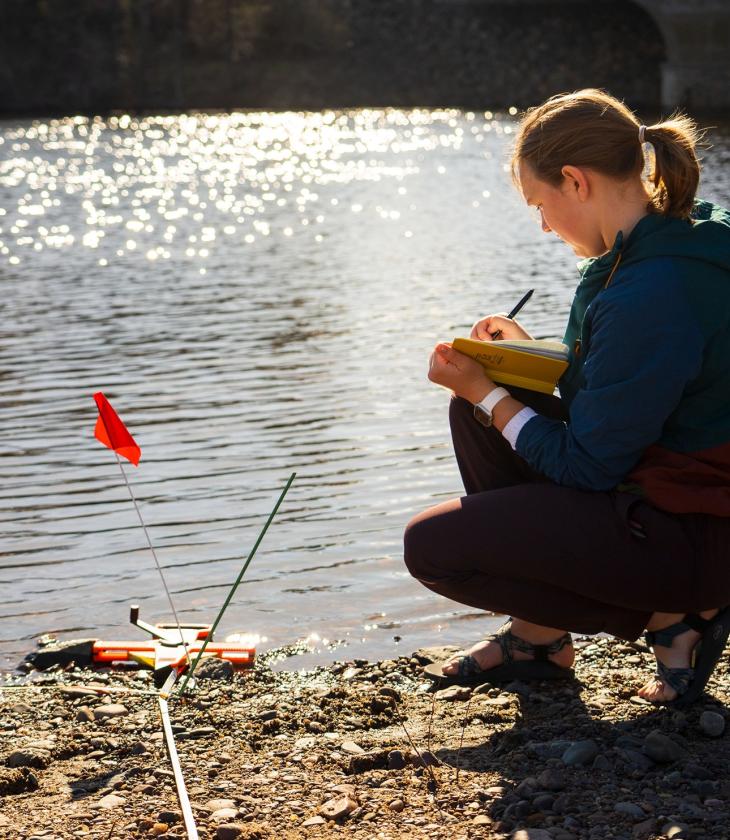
588, 562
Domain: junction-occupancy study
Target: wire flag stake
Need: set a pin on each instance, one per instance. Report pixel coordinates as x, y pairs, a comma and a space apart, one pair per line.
192, 667
112, 433
157, 562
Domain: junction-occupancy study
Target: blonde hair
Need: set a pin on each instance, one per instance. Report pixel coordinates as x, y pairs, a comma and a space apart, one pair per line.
589, 128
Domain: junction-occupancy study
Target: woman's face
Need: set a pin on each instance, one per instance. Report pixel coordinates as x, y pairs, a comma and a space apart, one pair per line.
564, 211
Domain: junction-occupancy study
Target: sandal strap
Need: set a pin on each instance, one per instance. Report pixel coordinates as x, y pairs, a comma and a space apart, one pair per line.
696, 622
665, 636
678, 678
508, 642
468, 667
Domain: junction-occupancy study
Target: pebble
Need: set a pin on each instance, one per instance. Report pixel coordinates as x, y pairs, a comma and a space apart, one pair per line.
224, 814
110, 710
454, 692
543, 802
531, 834
396, 805
75, 692
661, 748
425, 759
697, 771
645, 828
217, 804
229, 831
673, 779
629, 809
111, 800
396, 760
28, 758
84, 714
314, 821
389, 692
712, 724
198, 732
551, 749
345, 790
482, 819
601, 763
636, 759
581, 752
351, 748
551, 779
213, 668
335, 809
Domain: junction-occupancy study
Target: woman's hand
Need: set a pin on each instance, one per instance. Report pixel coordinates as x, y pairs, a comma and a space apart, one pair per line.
483, 329
465, 377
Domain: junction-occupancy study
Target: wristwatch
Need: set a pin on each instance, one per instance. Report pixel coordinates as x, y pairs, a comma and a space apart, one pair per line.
483, 410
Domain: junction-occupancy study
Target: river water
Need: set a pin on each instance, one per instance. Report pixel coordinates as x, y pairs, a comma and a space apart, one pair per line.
257, 294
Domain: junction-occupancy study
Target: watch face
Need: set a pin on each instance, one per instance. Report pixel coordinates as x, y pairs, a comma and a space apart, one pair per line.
482, 415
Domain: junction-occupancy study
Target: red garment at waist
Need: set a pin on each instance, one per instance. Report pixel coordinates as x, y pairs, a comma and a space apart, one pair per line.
690, 482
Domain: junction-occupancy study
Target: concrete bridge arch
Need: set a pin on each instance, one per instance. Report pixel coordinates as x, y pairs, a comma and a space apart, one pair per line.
696, 70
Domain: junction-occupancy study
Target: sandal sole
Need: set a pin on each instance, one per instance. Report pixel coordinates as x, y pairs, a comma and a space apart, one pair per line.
525, 671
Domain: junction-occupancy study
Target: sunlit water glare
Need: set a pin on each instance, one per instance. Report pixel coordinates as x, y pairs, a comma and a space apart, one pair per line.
257, 294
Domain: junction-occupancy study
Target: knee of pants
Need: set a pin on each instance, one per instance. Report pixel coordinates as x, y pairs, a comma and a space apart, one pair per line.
460, 410
415, 548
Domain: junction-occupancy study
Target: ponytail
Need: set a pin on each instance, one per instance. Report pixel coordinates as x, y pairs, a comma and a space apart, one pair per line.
676, 170
590, 128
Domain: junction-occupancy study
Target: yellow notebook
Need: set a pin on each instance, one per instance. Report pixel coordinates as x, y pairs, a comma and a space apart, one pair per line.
533, 364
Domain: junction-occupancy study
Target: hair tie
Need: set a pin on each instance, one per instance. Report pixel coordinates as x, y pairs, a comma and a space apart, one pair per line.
642, 134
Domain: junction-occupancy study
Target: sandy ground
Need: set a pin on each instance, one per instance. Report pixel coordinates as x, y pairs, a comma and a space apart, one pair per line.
367, 750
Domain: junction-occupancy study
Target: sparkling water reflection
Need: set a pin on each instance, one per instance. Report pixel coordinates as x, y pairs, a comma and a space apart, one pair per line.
256, 293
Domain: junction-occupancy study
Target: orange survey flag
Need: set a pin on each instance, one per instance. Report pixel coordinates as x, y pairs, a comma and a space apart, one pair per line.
113, 433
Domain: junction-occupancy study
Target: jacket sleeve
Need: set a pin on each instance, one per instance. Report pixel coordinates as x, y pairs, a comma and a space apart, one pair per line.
644, 349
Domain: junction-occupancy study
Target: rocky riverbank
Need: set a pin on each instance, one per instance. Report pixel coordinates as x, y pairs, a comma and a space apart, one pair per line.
368, 750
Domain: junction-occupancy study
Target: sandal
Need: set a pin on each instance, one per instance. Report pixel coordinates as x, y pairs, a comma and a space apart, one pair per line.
471, 673
689, 683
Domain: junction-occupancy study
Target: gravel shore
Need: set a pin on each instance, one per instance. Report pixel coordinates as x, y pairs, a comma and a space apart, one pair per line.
369, 751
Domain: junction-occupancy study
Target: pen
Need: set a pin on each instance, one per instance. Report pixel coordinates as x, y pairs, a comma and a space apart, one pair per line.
522, 301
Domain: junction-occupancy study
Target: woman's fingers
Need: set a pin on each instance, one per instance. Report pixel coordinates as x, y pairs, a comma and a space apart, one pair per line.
483, 329
500, 324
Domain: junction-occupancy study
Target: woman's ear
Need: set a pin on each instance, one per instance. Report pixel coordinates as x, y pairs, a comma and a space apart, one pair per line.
576, 182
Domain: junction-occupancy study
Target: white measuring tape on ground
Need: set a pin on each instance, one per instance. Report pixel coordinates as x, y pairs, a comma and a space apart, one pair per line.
182, 793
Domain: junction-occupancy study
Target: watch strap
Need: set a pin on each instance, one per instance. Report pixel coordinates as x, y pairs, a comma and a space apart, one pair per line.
493, 397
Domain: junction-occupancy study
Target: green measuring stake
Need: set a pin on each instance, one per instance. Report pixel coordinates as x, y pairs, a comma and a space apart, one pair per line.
235, 585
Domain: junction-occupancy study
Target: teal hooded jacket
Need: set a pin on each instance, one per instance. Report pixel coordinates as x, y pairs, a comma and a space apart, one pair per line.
648, 385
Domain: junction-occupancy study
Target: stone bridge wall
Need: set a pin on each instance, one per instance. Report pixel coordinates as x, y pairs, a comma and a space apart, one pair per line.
61, 56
